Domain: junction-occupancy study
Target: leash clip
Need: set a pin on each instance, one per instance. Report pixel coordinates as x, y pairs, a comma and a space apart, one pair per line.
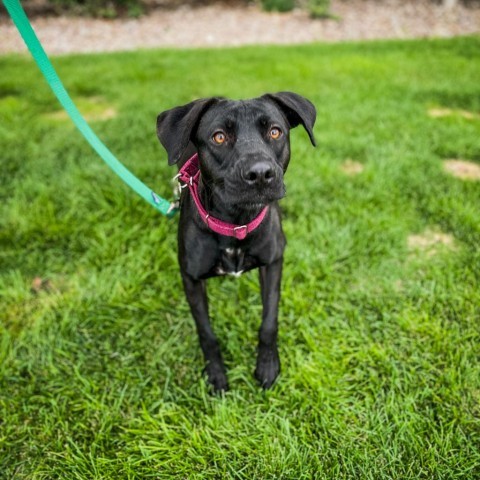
181, 182
174, 206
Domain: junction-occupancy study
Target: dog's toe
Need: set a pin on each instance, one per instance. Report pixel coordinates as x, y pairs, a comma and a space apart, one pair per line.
216, 377
268, 367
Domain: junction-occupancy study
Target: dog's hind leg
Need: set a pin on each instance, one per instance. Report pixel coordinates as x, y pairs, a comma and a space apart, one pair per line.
196, 293
268, 362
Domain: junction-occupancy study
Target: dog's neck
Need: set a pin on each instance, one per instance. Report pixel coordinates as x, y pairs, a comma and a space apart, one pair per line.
212, 198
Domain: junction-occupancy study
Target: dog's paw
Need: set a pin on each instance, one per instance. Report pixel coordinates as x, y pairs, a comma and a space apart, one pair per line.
216, 377
268, 366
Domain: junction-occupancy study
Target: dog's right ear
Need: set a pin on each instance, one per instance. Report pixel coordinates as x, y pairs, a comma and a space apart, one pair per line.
298, 110
175, 127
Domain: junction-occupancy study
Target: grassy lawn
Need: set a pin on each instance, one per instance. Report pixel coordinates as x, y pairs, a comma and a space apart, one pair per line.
100, 368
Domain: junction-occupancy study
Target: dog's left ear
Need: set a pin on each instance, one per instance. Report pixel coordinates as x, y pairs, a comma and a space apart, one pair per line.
297, 109
175, 127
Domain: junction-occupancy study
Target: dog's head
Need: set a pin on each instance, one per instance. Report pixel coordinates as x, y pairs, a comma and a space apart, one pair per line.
243, 146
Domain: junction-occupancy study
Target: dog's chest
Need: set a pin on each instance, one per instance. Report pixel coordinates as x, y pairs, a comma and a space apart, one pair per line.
232, 261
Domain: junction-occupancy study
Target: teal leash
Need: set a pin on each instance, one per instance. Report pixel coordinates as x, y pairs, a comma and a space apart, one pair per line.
23, 25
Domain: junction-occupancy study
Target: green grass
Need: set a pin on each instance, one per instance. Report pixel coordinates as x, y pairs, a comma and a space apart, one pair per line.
380, 344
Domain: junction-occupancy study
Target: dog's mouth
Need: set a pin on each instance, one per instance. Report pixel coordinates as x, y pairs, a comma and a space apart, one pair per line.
252, 197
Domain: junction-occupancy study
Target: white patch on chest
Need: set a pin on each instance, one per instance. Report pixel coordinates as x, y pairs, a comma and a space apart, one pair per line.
231, 257
235, 274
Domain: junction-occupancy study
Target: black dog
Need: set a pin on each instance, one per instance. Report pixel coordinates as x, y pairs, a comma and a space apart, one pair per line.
229, 216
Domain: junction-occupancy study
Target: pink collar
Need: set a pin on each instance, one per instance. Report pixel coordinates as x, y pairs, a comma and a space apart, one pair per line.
190, 175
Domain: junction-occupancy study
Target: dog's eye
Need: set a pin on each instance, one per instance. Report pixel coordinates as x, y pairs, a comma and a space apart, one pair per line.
219, 138
275, 133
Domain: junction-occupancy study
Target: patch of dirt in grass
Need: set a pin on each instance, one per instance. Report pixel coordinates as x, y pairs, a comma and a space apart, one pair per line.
54, 287
441, 112
399, 286
462, 169
92, 109
39, 284
431, 242
350, 167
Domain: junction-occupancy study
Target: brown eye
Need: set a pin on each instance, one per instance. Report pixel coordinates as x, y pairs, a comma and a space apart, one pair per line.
275, 133
219, 138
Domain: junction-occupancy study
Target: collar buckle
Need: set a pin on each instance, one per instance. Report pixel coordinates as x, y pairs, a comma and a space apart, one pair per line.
240, 232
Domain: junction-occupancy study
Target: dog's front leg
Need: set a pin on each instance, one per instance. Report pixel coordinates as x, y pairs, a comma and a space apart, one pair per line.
268, 362
196, 293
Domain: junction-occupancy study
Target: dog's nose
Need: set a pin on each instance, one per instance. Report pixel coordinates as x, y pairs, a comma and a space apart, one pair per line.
260, 173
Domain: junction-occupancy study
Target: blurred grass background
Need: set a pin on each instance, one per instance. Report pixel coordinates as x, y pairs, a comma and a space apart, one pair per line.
379, 339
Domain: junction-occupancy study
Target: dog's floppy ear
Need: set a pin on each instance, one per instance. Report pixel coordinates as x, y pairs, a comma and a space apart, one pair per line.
297, 109
175, 126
